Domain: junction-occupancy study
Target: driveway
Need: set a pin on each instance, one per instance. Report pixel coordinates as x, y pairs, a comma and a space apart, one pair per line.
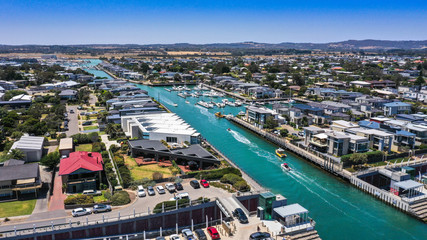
57, 199
73, 123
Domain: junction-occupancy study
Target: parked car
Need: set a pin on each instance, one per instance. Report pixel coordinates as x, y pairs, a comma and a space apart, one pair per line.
200, 234
71, 111
213, 233
160, 238
170, 187
294, 134
204, 183
160, 190
150, 191
92, 192
174, 237
194, 184
301, 133
141, 191
87, 123
180, 196
81, 212
259, 236
178, 186
187, 234
101, 208
239, 214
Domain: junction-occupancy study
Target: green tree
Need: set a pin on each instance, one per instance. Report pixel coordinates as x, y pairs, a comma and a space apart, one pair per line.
358, 158
16, 154
284, 132
270, 123
420, 81
51, 160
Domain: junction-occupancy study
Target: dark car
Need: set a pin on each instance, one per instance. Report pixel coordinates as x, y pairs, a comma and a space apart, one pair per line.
239, 214
160, 238
71, 111
200, 234
178, 186
87, 123
194, 184
259, 235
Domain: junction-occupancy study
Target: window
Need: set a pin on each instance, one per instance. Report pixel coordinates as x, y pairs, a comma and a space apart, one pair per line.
171, 139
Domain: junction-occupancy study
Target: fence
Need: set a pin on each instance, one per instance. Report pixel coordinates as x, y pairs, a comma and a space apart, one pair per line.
35, 229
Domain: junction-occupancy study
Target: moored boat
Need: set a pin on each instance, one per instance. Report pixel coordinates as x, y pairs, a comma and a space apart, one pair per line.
281, 153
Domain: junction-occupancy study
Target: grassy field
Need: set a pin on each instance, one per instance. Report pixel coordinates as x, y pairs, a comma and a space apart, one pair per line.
17, 208
84, 147
85, 128
140, 172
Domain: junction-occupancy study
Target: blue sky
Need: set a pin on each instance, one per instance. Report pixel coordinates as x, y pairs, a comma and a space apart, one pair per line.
163, 21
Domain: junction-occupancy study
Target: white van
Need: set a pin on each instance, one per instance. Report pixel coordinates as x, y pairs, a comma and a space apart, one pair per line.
141, 191
180, 196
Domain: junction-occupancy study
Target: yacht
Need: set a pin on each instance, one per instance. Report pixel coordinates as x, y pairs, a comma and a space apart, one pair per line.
175, 105
182, 95
205, 104
238, 103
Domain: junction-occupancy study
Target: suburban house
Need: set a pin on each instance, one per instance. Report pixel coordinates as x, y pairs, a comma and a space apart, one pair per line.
394, 108
68, 94
81, 171
257, 115
31, 146
18, 178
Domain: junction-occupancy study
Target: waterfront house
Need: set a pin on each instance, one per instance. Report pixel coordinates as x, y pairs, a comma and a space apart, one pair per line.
19, 179
31, 146
394, 108
261, 92
159, 126
81, 171
257, 116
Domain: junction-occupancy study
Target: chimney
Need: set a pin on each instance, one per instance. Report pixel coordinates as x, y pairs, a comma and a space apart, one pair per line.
89, 154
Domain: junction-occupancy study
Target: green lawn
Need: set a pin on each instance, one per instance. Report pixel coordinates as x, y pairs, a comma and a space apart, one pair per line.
146, 171
85, 128
17, 208
84, 147
100, 199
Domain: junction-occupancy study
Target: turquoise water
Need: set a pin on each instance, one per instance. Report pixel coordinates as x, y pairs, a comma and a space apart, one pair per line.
340, 210
97, 73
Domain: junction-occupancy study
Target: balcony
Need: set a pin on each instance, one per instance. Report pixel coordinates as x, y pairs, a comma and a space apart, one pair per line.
319, 142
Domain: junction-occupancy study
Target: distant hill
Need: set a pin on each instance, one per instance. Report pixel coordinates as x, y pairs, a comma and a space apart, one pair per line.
349, 45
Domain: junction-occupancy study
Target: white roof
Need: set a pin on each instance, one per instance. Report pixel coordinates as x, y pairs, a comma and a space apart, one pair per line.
372, 131
290, 210
321, 136
408, 184
360, 83
345, 123
164, 123
29, 142
66, 143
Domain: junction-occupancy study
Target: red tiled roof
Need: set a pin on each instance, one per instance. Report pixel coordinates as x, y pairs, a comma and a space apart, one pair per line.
91, 161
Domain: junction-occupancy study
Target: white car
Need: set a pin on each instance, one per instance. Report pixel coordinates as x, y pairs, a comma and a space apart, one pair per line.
160, 190
187, 234
174, 237
141, 191
170, 187
81, 212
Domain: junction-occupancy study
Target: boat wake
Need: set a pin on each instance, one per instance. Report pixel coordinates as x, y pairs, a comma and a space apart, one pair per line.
167, 101
239, 137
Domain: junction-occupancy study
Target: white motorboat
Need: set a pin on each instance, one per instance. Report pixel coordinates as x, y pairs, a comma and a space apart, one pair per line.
285, 167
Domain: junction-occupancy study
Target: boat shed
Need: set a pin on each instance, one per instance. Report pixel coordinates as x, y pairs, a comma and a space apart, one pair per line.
410, 188
291, 215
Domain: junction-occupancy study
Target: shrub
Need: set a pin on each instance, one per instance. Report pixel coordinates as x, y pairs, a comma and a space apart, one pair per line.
230, 178
157, 175
107, 195
168, 205
216, 174
145, 182
242, 186
126, 177
120, 198
98, 147
375, 156
120, 161
114, 148
78, 199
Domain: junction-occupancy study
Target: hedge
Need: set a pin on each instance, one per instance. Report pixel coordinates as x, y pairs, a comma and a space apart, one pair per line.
375, 156
242, 186
231, 178
216, 174
120, 198
170, 204
78, 199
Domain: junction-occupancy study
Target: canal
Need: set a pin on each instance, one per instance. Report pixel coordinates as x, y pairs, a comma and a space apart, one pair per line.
340, 210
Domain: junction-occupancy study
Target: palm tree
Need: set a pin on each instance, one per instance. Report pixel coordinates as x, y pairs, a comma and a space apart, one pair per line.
16, 154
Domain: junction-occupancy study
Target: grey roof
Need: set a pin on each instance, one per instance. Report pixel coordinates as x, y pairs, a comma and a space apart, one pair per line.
290, 210
68, 92
13, 162
408, 184
194, 150
148, 144
16, 172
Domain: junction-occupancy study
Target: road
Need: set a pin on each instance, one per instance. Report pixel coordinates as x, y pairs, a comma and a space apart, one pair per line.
73, 123
140, 206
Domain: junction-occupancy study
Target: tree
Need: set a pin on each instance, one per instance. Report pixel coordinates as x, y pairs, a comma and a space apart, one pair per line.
16, 154
221, 68
51, 160
420, 81
284, 132
270, 123
358, 158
